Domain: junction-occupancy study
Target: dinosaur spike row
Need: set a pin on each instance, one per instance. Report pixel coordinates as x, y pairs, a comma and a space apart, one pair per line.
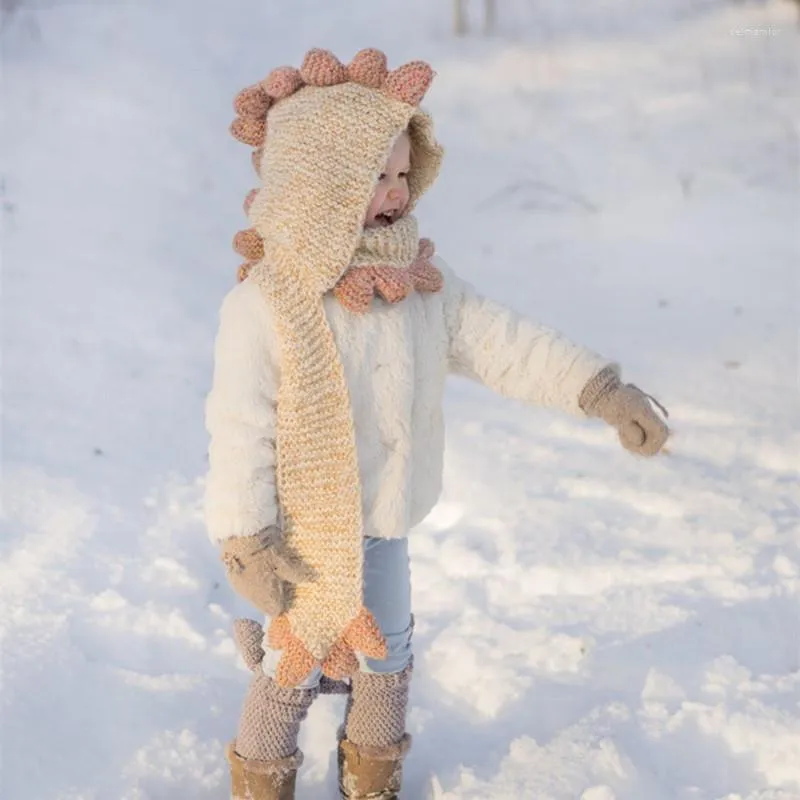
362, 635
407, 83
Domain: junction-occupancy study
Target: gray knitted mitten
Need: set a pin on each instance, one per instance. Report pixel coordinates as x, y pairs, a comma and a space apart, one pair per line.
261, 568
626, 408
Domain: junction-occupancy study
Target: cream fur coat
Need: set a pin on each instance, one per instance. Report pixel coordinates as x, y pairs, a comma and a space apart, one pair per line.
396, 359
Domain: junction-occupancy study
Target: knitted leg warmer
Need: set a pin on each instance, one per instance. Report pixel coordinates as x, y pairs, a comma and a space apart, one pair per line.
374, 741
376, 710
270, 720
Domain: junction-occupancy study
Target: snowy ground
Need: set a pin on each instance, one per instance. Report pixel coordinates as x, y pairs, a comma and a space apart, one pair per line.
589, 625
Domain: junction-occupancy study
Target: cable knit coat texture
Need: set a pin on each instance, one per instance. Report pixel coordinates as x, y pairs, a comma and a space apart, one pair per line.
396, 360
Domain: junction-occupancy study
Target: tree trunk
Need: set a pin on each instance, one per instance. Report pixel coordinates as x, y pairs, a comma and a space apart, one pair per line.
490, 20
459, 19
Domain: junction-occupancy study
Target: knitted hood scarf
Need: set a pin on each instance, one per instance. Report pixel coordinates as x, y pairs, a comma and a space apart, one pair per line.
323, 134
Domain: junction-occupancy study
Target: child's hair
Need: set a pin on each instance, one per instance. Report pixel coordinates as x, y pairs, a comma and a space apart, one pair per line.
413, 152
320, 68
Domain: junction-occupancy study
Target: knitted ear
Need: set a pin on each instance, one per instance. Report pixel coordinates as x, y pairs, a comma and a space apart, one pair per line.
282, 82
368, 68
322, 68
409, 83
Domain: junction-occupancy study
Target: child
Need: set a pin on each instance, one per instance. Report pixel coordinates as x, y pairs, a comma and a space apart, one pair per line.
325, 414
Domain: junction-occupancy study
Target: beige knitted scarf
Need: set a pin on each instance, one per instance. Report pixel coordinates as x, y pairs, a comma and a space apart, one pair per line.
323, 134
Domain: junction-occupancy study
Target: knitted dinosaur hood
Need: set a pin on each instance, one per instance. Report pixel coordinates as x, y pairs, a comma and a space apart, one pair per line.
323, 134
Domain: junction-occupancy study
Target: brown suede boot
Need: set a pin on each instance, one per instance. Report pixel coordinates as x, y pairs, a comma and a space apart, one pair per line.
262, 780
371, 773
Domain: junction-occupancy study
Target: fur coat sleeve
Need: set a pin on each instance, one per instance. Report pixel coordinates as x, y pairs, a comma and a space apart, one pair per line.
240, 495
512, 355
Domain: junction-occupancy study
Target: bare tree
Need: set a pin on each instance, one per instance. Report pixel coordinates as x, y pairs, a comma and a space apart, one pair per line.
460, 25
7, 8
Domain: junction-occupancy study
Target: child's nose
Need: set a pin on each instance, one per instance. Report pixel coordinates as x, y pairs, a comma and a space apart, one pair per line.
394, 194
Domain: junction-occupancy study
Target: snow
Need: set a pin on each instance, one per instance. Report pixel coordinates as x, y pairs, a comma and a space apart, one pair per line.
589, 625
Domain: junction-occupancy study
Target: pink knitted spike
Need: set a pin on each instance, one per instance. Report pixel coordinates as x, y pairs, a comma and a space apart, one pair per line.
282, 82
341, 662
409, 82
248, 201
322, 68
426, 248
393, 285
426, 277
368, 68
255, 159
252, 102
364, 635
244, 270
355, 289
279, 632
294, 665
249, 131
249, 244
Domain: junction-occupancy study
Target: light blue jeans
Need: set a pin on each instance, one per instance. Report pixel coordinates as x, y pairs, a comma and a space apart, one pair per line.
387, 594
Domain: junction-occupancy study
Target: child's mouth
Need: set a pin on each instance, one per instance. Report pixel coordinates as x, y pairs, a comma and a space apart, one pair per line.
385, 219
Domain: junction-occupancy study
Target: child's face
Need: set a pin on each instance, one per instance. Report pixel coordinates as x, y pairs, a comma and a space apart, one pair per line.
391, 194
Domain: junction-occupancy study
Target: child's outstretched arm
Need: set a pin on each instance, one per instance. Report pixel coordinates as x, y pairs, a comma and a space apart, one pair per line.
523, 360
241, 499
